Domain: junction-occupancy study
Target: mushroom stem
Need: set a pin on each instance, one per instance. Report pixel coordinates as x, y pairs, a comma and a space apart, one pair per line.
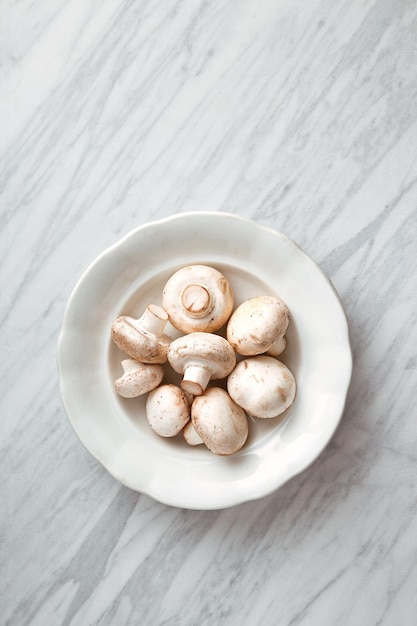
130, 365
154, 319
196, 300
196, 378
190, 435
277, 347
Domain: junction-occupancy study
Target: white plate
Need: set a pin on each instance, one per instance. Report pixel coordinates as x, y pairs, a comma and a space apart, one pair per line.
131, 274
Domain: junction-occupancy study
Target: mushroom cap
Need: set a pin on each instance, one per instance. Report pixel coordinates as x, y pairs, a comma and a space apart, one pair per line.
262, 385
204, 351
167, 410
219, 421
257, 324
138, 378
198, 298
132, 337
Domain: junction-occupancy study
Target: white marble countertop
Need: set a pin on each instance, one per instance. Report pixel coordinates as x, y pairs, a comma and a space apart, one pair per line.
300, 115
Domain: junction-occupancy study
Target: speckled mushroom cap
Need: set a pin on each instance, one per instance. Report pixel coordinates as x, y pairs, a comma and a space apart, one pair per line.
219, 421
167, 410
262, 385
257, 324
138, 378
201, 357
143, 338
198, 298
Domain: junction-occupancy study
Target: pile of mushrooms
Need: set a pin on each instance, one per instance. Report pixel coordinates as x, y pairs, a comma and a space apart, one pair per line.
198, 301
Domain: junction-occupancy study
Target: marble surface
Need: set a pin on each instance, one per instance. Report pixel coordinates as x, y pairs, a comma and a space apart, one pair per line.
300, 115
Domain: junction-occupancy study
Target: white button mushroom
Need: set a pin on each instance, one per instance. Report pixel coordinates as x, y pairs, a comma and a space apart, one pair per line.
190, 435
198, 298
138, 378
219, 421
257, 325
201, 357
143, 339
262, 385
167, 410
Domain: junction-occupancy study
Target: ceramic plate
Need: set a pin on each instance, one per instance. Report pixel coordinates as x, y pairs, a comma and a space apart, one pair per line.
130, 275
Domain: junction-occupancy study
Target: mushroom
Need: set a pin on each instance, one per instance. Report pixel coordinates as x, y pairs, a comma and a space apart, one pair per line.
138, 378
262, 385
167, 410
257, 325
143, 339
201, 357
219, 421
190, 435
198, 298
